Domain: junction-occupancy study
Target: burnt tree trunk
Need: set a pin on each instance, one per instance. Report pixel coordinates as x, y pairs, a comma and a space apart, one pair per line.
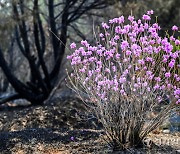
43, 79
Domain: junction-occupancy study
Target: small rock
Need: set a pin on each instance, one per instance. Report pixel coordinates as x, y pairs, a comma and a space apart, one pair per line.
178, 151
166, 131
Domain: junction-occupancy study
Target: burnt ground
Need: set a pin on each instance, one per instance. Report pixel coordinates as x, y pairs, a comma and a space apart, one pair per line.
64, 127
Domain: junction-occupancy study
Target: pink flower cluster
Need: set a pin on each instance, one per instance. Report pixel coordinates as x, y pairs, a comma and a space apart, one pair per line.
134, 61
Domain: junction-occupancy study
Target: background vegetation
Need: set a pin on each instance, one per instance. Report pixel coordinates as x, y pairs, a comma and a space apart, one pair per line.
35, 27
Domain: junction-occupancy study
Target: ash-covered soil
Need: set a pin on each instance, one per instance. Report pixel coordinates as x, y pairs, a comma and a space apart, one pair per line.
64, 127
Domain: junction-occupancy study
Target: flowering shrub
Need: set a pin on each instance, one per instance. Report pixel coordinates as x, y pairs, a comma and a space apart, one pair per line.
126, 75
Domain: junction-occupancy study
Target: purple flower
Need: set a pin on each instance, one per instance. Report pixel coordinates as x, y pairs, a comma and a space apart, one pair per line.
172, 38
131, 18
166, 56
117, 56
89, 53
177, 42
116, 37
132, 39
164, 60
155, 25
177, 91
99, 63
171, 64
113, 43
125, 60
169, 85
139, 21
114, 68
174, 55
159, 99
150, 12
156, 87
128, 52
125, 72
90, 73
158, 79
107, 34
136, 68
168, 75
168, 48
115, 88
81, 49
122, 92
136, 85
146, 17
111, 21
164, 41
174, 28
151, 77
134, 47
145, 84
86, 79
72, 138
148, 89
178, 101
73, 45
69, 57
121, 19
101, 35
162, 87
141, 61
82, 70
105, 26
178, 79
145, 68
107, 70
118, 29
148, 73
152, 30
99, 52
85, 43
122, 80
149, 59
141, 29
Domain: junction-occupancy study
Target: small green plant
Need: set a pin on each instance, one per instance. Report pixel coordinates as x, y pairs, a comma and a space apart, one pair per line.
130, 71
